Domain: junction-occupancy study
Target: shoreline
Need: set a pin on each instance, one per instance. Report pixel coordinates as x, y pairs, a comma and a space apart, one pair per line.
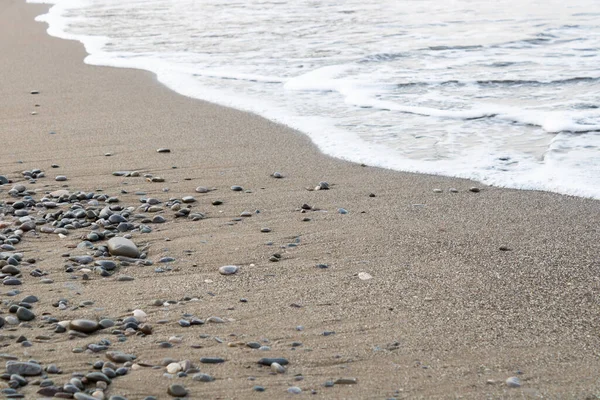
445, 313
342, 144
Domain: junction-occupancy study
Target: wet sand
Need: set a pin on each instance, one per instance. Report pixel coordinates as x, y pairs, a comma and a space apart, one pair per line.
446, 313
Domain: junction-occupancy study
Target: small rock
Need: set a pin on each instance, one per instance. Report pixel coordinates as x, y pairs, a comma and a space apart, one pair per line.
25, 314
119, 246
60, 178
23, 368
177, 390
211, 360
84, 325
474, 189
202, 377
268, 361
228, 269
294, 390
163, 150
513, 382
346, 381
277, 368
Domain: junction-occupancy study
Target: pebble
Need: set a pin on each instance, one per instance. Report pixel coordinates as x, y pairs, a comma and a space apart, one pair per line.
202, 377
265, 230
25, 314
60, 178
140, 315
237, 188
228, 269
474, 189
258, 388
211, 360
23, 368
84, 325
513, 382
119, 246
294, 390
277, 368
277, 175
174, 368
163, 150
177, 390
188, 199
268, 361
202, 189
120, 357
364, 276
346, 381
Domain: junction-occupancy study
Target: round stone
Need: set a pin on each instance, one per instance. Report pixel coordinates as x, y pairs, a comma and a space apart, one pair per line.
202, 189
173, 368
202, 377
237, 188
294, 390
84, 325
25, 314
60, 178
277, 368
119, 246
474, 189
188, 199
177, 390
277, 175
228, 269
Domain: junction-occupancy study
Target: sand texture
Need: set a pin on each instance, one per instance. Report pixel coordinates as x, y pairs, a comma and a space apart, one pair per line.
414, 297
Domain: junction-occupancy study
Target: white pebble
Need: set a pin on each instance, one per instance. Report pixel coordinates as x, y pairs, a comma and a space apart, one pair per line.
513, 382
140, 315
173, 368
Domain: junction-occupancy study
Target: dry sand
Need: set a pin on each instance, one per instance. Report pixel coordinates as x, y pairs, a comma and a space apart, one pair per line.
446, 314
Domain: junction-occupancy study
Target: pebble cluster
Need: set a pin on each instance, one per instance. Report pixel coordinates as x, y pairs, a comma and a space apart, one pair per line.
107, 231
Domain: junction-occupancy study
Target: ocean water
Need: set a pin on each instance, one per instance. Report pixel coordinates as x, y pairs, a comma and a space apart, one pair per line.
505, 92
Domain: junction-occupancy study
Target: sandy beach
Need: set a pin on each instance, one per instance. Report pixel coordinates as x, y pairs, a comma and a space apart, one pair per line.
387, 285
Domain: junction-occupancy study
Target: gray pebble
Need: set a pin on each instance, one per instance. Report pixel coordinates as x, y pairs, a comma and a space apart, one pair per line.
203, 377
177, 390
228, 269
211, 360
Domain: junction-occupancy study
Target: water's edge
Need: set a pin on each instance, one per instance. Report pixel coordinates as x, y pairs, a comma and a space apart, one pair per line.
338, 144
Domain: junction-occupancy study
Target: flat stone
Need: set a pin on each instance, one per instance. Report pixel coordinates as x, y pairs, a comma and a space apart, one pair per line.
120, 357
163, 150
294, 390
237, 188
202, 377
84, 325
119, 246
228, 269
60, 178
23, 368
97, 376
188, 199
346, 381
211, 360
